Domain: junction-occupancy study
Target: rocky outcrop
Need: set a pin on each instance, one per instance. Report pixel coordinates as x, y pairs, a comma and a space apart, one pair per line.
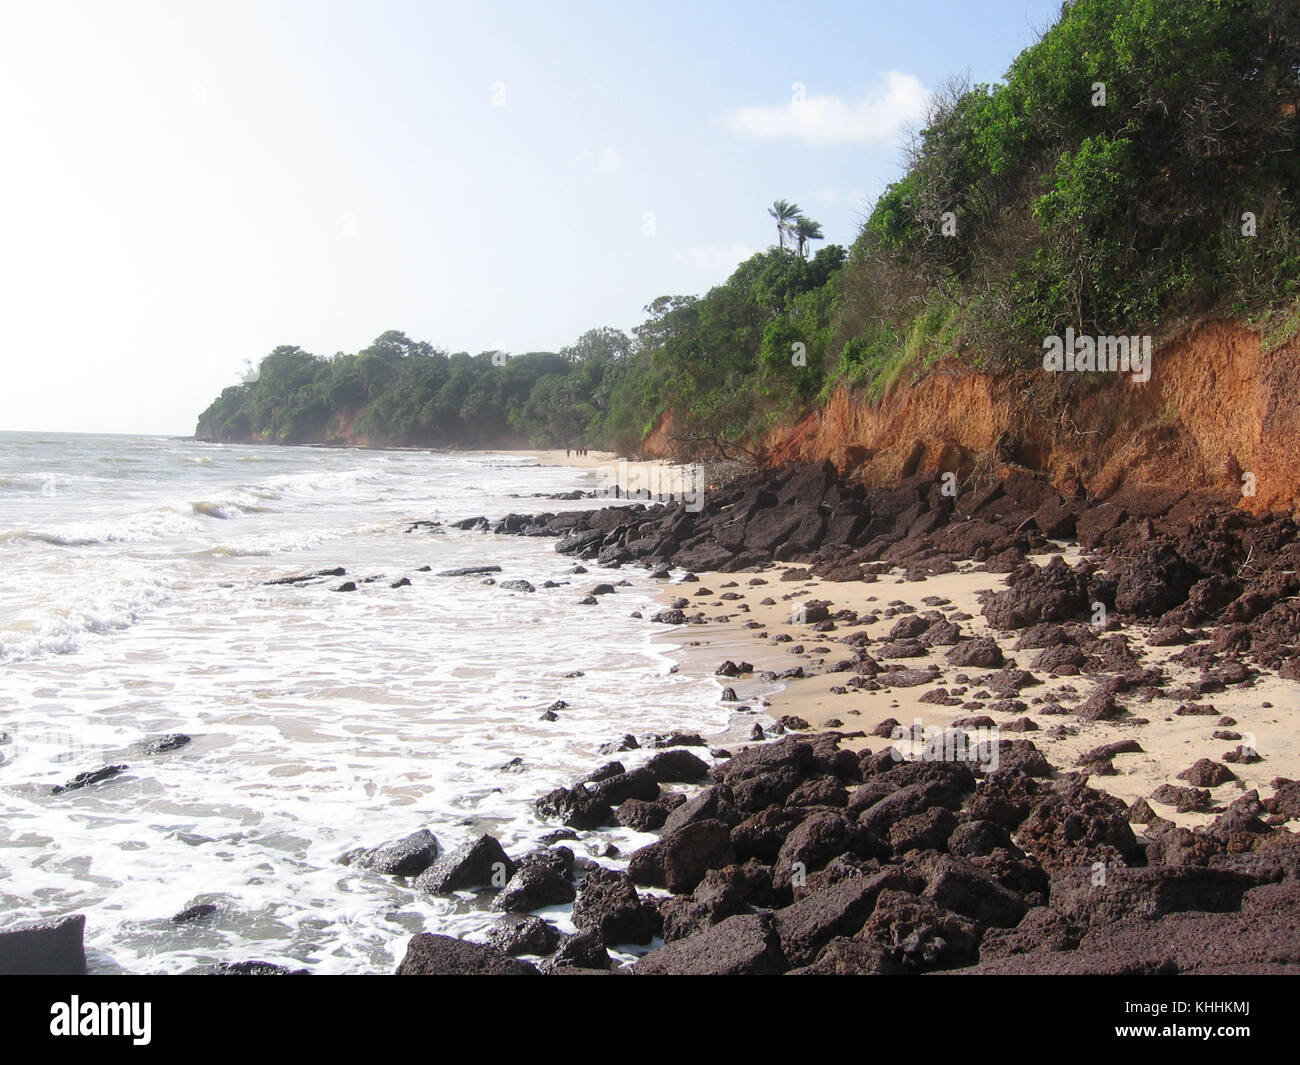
431, 955
53, 947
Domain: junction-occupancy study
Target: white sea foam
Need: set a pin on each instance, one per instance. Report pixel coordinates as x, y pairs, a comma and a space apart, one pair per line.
321, 720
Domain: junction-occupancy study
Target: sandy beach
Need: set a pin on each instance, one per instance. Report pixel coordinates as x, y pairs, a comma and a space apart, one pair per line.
1170, 742
650, 479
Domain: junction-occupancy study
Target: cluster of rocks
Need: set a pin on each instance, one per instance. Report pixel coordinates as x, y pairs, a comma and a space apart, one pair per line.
799, 856
802, 857
606, 908
153, 746
1182, 559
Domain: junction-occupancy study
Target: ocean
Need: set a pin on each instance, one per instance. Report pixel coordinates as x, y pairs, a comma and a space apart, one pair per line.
134, 604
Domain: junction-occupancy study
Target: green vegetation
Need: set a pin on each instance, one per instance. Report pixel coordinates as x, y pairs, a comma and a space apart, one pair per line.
1139, 167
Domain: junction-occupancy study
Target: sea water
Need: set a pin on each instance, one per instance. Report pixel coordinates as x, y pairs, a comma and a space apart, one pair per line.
134, 604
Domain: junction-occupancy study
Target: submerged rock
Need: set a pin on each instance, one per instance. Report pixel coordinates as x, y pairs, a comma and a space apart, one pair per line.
93, 776
161, 744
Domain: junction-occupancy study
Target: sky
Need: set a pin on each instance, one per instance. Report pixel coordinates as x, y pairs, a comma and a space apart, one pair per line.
186, 185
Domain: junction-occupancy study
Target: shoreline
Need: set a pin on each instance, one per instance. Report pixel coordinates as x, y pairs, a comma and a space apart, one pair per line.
813, 796
1137, 762
1170, 742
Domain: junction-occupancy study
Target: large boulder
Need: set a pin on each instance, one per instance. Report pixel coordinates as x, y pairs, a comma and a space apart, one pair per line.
1153, 581
578, 807
745, 945
962, 887
1048, 593
1078, 825
582, 952
843, 956
793, 753
721, 894
517, 934
533, 886
921, 935
982, 652
714, 803
618, 788
609, 907
408, 856
479, 863
432, 955
841, 910
54, 947
762, 834
819, 838
1094, 897
1262, 939
691, 851
676, 765
914, 799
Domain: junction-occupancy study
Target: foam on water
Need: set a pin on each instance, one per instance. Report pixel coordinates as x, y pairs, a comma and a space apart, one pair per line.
321, 720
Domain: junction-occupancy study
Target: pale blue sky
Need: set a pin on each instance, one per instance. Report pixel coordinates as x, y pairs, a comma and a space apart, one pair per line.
189, 184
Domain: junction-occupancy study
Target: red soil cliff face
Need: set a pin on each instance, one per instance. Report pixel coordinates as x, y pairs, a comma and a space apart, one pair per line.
1217, 407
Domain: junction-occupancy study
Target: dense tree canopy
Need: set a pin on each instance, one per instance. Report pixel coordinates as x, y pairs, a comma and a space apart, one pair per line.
1138, 166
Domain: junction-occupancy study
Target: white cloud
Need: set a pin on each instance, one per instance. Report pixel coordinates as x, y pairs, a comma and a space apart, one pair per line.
717, 260
823, 120
604, 161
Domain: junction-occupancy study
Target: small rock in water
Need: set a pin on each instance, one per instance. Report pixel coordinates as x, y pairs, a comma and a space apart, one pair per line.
93, 776
162, 744
627, 743
250, 968
559, 835
408, 856
517, 586
346, 586
469, 571
194, 913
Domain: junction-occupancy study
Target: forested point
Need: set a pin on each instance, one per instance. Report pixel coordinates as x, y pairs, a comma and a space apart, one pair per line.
1136, 171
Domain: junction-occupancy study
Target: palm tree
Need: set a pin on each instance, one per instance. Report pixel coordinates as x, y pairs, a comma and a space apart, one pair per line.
784, 213
805, 229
